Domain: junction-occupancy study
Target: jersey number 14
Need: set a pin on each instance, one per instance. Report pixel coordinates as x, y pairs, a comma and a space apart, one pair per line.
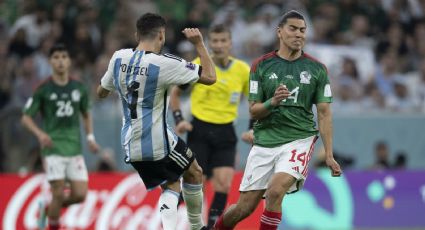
293, 95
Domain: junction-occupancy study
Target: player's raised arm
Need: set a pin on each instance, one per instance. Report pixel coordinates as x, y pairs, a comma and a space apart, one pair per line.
207, 76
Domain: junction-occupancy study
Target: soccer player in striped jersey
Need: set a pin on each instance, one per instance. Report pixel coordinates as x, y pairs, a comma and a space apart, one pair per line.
61, 100
214, 108
142, 78
284, 85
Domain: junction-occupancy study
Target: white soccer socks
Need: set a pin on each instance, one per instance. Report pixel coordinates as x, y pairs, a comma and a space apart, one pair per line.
193, 197
168, 202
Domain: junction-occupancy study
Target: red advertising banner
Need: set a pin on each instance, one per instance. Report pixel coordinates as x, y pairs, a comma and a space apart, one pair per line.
114, 201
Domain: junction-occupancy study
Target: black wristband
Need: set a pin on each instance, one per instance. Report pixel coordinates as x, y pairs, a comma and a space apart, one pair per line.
251, 123
178, 117
184, 87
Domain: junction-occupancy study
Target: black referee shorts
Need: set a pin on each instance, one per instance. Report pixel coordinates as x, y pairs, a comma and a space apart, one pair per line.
168, 169
214, 145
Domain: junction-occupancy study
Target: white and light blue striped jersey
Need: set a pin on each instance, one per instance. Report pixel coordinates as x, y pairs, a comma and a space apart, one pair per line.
142, 80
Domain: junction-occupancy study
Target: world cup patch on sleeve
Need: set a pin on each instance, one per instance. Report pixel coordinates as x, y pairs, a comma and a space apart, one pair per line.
28, 103
190, 65
327, 92
253, 87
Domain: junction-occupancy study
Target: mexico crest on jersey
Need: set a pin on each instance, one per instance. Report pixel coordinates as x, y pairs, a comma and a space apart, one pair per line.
75, 95
305, 77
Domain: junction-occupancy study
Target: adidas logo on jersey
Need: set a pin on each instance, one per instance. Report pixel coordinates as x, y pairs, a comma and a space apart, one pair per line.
273, 76
53, 96
164, 206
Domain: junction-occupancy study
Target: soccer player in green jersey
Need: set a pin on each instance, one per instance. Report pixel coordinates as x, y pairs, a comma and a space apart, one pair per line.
61, 100
284, 85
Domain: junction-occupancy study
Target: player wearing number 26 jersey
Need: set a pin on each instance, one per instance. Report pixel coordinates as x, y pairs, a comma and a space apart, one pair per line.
61, 101
60, 107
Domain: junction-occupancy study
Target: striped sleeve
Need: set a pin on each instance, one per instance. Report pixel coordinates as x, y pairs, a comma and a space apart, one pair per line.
179, 71
107, 81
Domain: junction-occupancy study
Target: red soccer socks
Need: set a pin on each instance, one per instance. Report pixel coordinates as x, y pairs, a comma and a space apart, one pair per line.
270, 220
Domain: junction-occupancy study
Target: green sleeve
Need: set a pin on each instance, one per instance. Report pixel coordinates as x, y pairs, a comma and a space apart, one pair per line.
323, 90
32, 106
255, 89
85, 101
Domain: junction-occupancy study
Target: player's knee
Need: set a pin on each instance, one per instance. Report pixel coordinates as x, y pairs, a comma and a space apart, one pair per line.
222, 185
222, 179
78, 194
194, 174
275, 194
79, 197
198, 172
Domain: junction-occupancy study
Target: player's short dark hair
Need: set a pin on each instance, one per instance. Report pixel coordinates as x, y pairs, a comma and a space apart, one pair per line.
219, 28
290, 14
381, 144
58, 47
148, 25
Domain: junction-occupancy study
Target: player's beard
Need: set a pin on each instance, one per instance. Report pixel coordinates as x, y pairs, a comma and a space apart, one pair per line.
295, 48
297, 45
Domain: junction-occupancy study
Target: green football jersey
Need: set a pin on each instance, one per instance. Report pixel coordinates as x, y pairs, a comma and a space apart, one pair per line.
293, 119
60, 108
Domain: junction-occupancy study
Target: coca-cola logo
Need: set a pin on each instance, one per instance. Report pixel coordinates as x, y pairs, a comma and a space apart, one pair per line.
23, 199
113, 202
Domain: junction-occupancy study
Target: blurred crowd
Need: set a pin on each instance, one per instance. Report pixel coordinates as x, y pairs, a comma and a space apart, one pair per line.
390, 31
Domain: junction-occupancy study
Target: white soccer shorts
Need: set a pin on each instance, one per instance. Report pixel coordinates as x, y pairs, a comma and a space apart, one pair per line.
60, 168
291, 158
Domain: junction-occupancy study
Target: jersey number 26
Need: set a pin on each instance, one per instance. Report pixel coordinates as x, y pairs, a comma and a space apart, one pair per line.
65, 109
